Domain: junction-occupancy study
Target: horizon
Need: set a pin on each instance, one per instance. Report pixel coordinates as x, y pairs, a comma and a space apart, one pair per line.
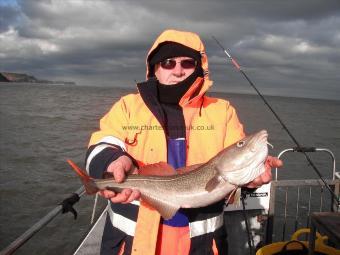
249, 92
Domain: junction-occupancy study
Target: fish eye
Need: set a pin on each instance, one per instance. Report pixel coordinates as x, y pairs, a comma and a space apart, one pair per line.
240, 144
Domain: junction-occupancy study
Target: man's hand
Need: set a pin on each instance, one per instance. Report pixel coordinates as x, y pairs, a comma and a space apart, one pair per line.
121, 167
266, 177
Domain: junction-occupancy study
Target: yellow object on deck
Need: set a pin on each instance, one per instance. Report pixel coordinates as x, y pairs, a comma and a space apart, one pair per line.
295, 244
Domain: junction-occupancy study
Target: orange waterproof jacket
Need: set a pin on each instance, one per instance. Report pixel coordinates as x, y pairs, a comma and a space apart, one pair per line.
211, 125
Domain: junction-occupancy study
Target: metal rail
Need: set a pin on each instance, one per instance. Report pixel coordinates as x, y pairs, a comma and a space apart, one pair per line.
311, 149
21, 240
292, 185
295, 187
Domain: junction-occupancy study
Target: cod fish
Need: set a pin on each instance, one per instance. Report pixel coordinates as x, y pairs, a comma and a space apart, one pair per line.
205, 184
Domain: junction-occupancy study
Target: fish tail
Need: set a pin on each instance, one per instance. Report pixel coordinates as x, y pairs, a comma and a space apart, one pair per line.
85, 178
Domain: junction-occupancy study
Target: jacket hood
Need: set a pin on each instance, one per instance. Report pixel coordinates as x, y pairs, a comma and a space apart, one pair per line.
194, 42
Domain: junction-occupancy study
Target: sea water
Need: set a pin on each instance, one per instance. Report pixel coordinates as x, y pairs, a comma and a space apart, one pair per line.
43, 125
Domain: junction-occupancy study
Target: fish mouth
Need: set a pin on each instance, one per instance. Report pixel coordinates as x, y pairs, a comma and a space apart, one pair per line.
248, 172
259, 139
259, 158
259, 149
260, 154
259, 143
248, 162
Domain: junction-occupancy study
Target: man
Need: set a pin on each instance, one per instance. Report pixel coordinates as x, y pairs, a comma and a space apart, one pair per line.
172, 120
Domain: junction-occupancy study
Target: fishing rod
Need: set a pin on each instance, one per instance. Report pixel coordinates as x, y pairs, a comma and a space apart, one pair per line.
238, 67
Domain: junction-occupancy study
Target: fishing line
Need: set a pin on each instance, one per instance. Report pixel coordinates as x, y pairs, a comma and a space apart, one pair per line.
238, 67
250, 237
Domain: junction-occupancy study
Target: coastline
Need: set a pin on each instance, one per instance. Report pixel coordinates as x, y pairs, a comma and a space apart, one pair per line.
10, 77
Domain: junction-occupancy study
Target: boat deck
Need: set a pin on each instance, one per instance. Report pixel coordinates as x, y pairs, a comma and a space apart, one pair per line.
91, 243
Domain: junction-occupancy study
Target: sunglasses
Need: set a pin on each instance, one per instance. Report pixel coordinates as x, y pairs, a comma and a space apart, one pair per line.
185, 63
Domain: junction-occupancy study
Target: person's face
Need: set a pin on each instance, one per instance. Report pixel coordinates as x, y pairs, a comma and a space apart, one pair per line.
174, 70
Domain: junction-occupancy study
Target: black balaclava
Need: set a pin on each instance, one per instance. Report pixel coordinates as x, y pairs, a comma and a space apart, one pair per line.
173, 93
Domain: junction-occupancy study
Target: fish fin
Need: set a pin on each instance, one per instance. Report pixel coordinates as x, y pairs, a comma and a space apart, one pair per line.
186, 169
166, 210
84, 177
234, 197
160, 168
213, 183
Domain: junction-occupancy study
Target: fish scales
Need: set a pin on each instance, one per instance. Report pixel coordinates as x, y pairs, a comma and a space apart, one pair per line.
208, 183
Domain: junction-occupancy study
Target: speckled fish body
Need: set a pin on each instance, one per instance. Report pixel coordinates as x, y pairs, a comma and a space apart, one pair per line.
206, 184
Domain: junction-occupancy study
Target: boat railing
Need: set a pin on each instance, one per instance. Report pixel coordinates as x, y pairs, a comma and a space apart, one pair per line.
293, 201
291, 204
311, 149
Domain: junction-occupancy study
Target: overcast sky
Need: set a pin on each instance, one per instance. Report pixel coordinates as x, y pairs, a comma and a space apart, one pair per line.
287, 47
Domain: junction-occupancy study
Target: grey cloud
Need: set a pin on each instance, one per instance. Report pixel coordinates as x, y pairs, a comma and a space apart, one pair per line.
8, 16
235, 11
281, 43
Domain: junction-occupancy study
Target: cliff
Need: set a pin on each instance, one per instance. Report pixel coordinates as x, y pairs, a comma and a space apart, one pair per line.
21, 77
